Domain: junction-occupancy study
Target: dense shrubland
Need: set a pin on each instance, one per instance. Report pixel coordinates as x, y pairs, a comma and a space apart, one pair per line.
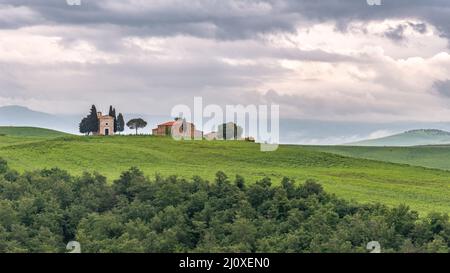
41, 211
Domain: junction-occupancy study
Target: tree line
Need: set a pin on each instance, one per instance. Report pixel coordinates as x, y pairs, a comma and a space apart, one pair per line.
41, 211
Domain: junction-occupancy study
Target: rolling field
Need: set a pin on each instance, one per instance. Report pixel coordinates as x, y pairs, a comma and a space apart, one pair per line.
437, 156
362, 180
29, 132
23, 135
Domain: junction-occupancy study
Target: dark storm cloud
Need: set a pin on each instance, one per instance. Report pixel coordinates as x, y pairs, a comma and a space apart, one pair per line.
436, 12
397, 33
219, 19
231, 19
419, 27
443, 88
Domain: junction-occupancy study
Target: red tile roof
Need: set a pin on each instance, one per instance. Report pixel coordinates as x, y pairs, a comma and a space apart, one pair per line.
169, 123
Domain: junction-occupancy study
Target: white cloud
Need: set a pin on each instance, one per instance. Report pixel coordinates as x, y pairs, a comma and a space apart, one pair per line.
18, 46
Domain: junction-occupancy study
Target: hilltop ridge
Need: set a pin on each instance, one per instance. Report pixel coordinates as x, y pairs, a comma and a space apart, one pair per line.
417, 137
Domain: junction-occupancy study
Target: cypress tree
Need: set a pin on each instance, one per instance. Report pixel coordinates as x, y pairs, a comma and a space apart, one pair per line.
84, 129
115, 120
120, 123
93, 120
112, 113
89, 124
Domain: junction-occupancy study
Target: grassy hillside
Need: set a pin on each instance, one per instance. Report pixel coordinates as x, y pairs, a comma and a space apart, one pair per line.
21, 135
362, 180
410, 138
437, 156
29, 132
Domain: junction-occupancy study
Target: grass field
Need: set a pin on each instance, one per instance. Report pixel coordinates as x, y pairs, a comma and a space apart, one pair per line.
362, 180
426, 156
23, 135
29, 132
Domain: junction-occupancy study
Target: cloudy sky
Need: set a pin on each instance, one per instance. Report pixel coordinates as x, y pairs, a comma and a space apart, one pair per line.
339, 60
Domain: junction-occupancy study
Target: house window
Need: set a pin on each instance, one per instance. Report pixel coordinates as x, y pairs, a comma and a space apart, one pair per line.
107, 124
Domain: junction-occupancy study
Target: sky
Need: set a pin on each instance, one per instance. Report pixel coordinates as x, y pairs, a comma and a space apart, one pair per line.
334, 60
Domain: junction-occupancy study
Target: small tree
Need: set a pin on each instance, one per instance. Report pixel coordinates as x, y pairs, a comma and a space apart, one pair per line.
120, 123
136, 124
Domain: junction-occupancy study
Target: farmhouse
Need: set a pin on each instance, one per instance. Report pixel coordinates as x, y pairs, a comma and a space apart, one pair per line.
105, 125
178, 128
212, 136
164, 129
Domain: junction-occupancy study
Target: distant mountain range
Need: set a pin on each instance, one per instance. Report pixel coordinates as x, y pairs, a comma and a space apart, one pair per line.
22, 116
410, 138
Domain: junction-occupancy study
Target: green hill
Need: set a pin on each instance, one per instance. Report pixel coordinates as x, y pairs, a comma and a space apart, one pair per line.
362, 180
433, 156
29, 132
409, 138
21, 135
